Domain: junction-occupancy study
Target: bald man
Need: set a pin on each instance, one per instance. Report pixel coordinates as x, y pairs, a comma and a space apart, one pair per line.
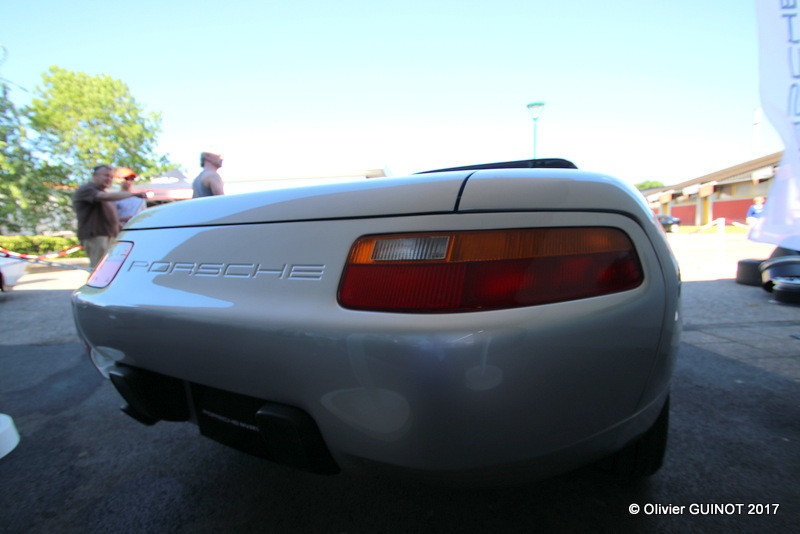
208, 183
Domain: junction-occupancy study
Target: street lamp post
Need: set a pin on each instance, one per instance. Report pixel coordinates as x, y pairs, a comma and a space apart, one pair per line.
535, 110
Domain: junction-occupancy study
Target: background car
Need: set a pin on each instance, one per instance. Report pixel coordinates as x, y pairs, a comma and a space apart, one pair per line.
671, 224
11, 270
487, 323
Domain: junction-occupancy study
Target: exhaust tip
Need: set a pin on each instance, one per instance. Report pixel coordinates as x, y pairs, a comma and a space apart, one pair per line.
293, 439
143, 418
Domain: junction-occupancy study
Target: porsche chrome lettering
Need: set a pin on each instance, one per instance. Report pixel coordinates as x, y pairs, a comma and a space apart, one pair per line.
230, 270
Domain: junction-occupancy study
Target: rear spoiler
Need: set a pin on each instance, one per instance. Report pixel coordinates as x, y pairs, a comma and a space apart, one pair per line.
549, 163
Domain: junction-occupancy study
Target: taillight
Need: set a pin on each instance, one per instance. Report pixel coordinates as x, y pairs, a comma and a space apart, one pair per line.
110, 265
443, 272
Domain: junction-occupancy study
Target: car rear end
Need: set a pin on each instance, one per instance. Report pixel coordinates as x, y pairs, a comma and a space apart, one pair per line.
495, 322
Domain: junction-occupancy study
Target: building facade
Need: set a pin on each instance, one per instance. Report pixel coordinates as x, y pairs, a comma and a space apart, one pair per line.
723, 194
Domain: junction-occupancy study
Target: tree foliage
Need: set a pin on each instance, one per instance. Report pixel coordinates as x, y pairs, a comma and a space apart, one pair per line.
84, 120
26, 195
74, 122
650, 184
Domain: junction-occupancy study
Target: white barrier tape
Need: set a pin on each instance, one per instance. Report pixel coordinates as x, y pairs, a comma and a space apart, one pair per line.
39, 259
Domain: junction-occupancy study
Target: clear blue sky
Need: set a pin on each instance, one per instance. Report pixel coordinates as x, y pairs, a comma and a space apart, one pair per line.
640, 90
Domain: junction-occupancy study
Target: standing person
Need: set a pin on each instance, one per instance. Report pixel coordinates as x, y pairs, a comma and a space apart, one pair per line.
98, 223
208, 182
755, 211
128, 207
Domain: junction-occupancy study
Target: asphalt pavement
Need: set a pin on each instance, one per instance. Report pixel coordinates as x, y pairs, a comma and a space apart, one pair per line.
733, 461
737, 321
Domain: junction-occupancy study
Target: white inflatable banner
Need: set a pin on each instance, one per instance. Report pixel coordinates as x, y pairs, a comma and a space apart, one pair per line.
779, 66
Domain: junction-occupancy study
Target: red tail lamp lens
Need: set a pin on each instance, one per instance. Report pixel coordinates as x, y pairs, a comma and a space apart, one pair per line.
483, 270
110, 265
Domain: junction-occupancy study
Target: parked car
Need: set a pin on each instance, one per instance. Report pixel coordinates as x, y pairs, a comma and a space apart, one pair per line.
671, 224
11, 270
477, 323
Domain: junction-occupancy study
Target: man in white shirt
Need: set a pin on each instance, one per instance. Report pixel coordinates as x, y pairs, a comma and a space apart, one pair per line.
128, 207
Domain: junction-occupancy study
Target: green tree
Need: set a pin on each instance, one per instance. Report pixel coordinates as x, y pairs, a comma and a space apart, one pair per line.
27, 195
650, 184
84, 120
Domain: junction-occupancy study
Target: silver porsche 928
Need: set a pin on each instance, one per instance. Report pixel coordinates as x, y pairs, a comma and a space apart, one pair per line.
471, 323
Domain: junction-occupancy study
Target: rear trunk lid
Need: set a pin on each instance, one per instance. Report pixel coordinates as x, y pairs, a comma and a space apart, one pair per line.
422, 194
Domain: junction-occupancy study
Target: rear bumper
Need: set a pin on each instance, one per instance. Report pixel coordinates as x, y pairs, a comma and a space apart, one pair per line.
494, 398
289, 436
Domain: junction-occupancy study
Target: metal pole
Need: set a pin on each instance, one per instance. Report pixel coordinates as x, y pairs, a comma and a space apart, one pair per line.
535, 109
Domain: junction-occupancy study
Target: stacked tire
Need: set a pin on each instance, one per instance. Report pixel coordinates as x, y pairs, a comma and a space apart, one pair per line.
780, 274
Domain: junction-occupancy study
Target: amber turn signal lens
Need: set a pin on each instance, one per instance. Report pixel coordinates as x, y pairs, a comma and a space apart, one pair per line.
444, 272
